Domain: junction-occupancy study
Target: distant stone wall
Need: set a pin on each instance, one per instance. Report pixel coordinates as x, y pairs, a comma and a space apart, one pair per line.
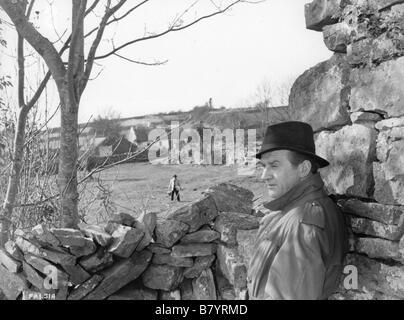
355, 103
189, 254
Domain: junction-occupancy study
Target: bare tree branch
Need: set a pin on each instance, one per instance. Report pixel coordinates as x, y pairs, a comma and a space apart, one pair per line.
157, 63
91, 55
172, 28
119, 18
41, 44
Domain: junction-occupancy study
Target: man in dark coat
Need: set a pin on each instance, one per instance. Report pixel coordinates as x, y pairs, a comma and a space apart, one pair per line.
302, 241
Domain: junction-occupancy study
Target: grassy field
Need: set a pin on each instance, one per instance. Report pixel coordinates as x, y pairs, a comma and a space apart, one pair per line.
135, 187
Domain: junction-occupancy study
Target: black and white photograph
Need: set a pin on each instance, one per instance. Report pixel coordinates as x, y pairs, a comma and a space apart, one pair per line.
219, 151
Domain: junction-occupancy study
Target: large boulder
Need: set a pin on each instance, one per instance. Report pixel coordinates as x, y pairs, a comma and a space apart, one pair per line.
229, 197
320, 95
194, 215
320, 13
228, 223
351, 152
378, 88
389, 172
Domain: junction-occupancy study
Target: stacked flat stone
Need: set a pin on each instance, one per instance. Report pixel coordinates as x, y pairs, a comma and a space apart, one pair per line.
180, 254
76, 264
355, 103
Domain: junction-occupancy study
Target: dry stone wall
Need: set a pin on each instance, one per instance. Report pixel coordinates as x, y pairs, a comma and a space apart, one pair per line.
190, 253
355, 103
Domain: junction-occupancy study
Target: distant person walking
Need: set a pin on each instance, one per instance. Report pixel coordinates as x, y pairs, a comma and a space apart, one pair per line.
174, 188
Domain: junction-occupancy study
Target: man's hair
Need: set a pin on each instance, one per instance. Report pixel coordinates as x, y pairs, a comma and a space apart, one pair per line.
297, 158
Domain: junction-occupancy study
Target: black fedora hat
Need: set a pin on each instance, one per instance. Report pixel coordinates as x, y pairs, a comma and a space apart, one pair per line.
291, 135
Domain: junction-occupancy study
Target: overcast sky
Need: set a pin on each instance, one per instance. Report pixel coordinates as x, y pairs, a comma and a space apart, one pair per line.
224, 58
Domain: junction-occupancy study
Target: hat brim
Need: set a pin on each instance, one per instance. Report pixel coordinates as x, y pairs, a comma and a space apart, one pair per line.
320, 161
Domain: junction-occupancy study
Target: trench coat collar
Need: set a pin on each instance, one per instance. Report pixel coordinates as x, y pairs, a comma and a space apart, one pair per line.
310, 185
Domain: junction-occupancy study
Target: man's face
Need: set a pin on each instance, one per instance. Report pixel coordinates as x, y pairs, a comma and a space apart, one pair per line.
279, 173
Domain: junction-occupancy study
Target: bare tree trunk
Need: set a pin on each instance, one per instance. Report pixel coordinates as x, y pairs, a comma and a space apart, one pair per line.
70, 98
14, 178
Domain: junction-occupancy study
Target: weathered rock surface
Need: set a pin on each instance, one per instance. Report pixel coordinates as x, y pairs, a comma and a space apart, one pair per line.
120, 274
33, 276
11, 284
389, 173
378, 248
172, 261
186, 290
162, 277
84, 289
228, 223
326, 105
246, 244
148, 219
157, 249
379, 88
194, 215
365, 117
201, 236
200, 264
350, 151
124, 241
204, 286
376, 276
229, 197
43, 235
387, 191
337, 37
135, 291
168, 232
320, 13
376, 229
232, 266
96, 233
193, 250
50, 255
224, 287
46, 268
88, 248
13, 250
123, 218
69, 237
390, 123
387, 214
10, 263
77, 275
97, 261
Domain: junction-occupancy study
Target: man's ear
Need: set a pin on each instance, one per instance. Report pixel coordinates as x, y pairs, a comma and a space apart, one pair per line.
304, 168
